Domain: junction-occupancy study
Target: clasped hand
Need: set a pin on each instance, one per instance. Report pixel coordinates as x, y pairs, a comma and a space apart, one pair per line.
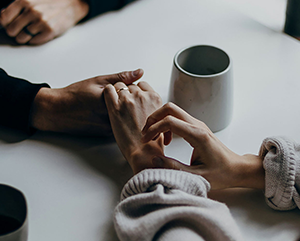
38, 21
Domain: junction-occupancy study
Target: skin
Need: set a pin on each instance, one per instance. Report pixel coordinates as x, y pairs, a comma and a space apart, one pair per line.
43, 18
211, 158
128, 111
78, 108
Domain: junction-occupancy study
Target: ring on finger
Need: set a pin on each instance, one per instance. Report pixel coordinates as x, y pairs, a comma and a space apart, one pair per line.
28, 32
124, 88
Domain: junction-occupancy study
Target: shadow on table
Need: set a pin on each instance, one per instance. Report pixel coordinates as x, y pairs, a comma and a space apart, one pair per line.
11, 136
6, 40
252, 203
100, 154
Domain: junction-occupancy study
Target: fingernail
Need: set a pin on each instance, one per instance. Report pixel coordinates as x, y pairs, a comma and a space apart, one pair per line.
136, 72
157, 161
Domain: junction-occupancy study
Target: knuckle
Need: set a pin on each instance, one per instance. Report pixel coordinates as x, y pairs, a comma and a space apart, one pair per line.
156, 97
168, 120
122, 76
169, 106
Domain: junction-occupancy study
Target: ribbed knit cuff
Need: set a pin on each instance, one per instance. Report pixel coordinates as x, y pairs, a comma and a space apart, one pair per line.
173, 179
280, 164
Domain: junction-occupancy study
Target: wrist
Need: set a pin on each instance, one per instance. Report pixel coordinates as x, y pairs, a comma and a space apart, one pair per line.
142, 157
42, 109
251, 173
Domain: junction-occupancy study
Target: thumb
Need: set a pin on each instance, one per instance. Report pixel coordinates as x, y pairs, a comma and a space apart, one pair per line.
127, 77
170, 163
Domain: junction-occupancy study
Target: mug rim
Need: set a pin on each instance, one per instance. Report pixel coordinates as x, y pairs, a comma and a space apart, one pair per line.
198, 75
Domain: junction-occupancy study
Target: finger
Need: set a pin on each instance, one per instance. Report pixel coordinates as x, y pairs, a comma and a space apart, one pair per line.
127, 77
23, 38
167, 138
16, 26
175, 125
33, 28
36, 27
43, 37
167, 109
10, 13
111, 97
133, 88
145, 86
170, 163
121, 89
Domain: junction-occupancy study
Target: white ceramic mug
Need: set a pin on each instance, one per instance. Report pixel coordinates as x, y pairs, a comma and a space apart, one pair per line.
13, 215
202, 85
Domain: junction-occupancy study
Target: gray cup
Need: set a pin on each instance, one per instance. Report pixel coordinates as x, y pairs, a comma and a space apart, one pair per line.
202, 85
13, 215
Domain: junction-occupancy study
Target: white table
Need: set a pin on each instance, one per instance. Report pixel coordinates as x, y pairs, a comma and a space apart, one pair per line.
73, 184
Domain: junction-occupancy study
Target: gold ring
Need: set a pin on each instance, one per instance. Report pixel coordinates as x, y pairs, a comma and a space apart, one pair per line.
124, 88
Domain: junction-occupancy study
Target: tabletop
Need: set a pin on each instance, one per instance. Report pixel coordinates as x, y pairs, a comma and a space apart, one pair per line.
72, 184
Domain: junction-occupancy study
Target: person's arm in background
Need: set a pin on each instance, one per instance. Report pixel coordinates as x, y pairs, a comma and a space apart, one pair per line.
37, 22
159, 204
76, 109
97, 7
292, 21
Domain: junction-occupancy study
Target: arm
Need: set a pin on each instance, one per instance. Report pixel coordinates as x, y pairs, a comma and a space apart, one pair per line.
161, 204
97, 7
16, 98
276, 169
76, 109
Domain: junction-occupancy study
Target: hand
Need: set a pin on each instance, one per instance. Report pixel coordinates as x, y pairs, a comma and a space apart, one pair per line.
128, 111
211, 158
78, 108
38, 21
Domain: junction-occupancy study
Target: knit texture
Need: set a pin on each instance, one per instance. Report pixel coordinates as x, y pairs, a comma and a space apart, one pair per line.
282, 169
162, 204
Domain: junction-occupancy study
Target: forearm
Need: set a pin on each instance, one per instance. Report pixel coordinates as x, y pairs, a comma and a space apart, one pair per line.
169, 205
16, 99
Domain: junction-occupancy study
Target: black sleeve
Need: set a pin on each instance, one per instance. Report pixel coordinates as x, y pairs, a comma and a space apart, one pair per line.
101, 6
16, 98
292, 22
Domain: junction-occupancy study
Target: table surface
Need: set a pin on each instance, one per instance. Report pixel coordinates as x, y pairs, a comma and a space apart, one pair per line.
72, 184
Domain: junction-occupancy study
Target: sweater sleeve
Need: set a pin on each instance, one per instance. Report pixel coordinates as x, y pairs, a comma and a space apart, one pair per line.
282, 172
16, 98
101, 6
162, 204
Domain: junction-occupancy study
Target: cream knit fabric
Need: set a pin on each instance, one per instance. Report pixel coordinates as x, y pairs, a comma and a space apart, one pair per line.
161, 205
282, 167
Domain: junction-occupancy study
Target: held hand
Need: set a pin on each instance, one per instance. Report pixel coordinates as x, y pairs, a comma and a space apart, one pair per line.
211, 158
38, 21
128, 110
78, 108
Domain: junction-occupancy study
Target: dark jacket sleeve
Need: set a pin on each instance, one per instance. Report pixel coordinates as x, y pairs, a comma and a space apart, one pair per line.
292, 22
16, 98
101, 6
